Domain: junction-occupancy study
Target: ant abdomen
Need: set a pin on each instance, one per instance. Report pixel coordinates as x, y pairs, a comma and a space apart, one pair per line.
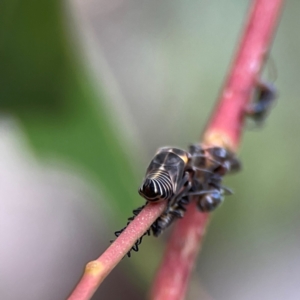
210, 201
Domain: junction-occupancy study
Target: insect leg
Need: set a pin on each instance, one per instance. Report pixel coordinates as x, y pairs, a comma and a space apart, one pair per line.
135, 247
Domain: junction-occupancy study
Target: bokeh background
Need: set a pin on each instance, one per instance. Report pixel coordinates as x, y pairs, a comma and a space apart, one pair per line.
88, 91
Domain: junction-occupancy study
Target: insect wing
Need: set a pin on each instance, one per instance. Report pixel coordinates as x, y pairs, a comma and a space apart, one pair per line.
175, 162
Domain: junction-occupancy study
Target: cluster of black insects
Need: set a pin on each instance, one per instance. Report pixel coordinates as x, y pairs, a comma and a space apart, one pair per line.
179, 177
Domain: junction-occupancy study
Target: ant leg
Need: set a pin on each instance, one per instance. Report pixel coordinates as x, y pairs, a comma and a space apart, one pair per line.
201, 193
203, 170
261, 106
226, 190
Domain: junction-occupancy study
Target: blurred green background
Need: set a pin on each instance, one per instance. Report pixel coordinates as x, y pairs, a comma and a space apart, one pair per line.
88, 91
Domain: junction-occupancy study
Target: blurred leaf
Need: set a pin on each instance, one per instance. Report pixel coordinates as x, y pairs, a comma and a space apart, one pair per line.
43, 85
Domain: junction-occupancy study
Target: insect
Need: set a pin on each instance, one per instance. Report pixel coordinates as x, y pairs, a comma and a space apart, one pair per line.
168, 178
218, 162
265, 95
177, 176
167, 175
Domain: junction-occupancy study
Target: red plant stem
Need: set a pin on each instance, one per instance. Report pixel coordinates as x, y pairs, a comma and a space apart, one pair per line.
228, 117
180, 254
97, 270
224, 129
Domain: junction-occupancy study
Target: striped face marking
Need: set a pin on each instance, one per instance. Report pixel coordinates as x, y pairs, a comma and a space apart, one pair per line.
164, 173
